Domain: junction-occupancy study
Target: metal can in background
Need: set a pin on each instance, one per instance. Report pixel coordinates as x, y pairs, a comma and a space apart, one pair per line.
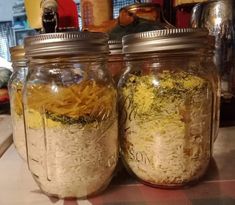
95, 12
218, 17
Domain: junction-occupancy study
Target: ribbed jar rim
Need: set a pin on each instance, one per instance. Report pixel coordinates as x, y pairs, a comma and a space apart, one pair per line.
166, 40
66, 43
17, 53
115, 47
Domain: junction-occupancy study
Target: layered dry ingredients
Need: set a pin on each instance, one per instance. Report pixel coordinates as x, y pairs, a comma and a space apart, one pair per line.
72, 137
18, 118
167, 127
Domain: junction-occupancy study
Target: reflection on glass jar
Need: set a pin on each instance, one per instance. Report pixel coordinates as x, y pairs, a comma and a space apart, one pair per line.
15, 86
167, 106
115, 62
71, 116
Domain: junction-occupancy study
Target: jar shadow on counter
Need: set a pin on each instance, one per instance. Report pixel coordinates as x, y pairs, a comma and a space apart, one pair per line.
53, 200
5, 108
227, 112
212, 172
122, 177
209, 190
223, 168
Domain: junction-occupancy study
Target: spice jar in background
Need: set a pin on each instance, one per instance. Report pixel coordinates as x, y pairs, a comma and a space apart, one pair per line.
15, 86
167, 106
70, 114
115, 62
151, 12
139, 17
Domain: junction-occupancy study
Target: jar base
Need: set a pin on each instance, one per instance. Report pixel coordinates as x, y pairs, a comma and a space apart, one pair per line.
172, 186
103, 187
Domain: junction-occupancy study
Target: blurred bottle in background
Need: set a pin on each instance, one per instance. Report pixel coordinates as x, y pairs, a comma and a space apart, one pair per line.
52, 15
34, 12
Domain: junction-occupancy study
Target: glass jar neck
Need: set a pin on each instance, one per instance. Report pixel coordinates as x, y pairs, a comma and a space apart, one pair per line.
68, 59
19, 64
116, 58
179, 54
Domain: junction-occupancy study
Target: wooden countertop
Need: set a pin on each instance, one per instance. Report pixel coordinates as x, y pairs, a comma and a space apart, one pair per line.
218, 187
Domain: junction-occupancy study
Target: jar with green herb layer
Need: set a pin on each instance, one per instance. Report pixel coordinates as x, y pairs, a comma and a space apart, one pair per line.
70, 114
15, 87
168, 106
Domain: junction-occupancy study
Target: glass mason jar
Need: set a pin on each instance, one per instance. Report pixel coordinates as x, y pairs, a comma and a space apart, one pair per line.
70, 114
115, 62
168, 101
15, 86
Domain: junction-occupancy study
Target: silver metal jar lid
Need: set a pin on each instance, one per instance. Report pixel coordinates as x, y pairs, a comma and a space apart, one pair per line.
115, 47
68, 43
165, 40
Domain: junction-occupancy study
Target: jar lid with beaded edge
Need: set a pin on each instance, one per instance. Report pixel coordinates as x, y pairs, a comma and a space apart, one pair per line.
166, 40
17, 53
115, 47
18, 57
67, 43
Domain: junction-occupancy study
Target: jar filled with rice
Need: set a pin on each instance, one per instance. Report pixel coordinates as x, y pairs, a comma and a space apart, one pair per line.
70, 114
168, 105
